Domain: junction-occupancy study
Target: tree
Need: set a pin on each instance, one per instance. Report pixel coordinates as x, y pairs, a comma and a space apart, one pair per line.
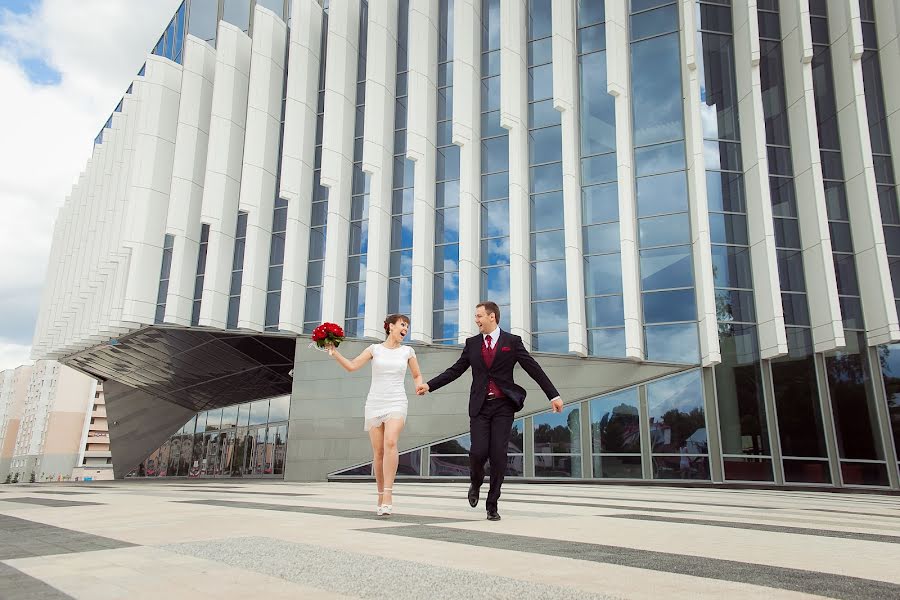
15, 478
31, 479
8, 478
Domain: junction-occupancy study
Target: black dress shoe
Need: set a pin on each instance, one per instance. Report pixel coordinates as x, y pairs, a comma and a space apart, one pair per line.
493, 515
473, 495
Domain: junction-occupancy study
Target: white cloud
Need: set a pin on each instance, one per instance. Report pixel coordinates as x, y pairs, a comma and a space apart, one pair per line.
97, 46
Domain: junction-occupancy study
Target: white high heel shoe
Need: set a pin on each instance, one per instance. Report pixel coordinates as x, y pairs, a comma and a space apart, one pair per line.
378, 506
385, 509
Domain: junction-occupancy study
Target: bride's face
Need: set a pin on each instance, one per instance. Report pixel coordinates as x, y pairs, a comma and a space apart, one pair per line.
399, 329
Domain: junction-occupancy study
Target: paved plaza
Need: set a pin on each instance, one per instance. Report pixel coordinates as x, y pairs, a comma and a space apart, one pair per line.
272, 540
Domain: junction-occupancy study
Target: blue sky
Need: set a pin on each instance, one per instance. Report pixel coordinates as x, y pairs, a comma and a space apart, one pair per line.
64, 65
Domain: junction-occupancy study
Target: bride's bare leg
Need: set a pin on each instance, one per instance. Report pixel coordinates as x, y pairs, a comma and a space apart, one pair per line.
376, 436
392, 429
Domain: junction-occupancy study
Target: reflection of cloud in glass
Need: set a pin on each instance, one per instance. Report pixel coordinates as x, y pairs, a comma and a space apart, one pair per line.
548, 280
598, 123
673, 343
683, 392
656, 95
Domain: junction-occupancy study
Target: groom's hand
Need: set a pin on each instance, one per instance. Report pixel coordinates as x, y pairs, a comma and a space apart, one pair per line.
421, 389
557, 404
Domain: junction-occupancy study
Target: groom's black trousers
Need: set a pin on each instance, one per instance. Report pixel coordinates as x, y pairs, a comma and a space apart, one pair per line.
491, 429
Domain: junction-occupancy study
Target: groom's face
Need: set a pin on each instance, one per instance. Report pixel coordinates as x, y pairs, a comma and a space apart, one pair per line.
486, 322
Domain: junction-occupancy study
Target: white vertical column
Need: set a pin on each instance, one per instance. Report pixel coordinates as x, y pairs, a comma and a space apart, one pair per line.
224, 161
260, 170
421, 148
378, 156
760, 227
298, 155
186, 197
467, 135
565, 100
151, 182
514, 117
818, 264
698, 202
876, 292
337, 151
618, 84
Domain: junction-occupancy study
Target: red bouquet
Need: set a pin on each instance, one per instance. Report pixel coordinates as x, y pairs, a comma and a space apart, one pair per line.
328, 333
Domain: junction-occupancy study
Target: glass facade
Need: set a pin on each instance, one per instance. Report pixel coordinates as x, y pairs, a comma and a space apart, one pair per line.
201, 271
549, 314
241, 440
604, 309
664, 233
359, 204
316, 261
445, 324
237, 270
164, 272
400, 281
494, 167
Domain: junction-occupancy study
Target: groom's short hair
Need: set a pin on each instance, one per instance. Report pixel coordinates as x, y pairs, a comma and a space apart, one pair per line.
490, 307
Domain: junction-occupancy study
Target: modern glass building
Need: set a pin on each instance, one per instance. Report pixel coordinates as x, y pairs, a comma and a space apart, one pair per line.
687, 209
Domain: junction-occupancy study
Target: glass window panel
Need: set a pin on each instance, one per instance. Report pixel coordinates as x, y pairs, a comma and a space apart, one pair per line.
664, 231
495, 218
540, 114
600, 239
662, 194
660, 158
615, 423
495, 155
673, 343
495, 282
446, 291
841, 240
549, 316
259, 412
845, 271
540, 82
790, 271
605, 311
598, 169
490, 94
853, 402
494, 187
618, 467
540, 52
725, 191
448, 163
731, 267
551, 342
545, 145
495, 251
665, 268
787, 233
592, 39
676, 414
600, 203
548, 280
446, 226
734, 305
728, 229
722, 156
203, 19
590, 11
654, 22
889, 356
546, 178
598, 118
681, 467
548, 245
739, 393
668, 307
557, 466
656, 90
279, 409
796, 311
603, 274
558, 433
546, 211
490, 63
606, 342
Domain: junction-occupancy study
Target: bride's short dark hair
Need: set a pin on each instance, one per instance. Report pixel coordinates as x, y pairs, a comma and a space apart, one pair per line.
391, 319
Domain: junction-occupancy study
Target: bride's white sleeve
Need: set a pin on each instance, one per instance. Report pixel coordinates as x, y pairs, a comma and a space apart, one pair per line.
411, 353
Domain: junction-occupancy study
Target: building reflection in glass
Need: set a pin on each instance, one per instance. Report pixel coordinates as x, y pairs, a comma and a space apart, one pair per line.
616, 435
678, 436
557, 443
246, 440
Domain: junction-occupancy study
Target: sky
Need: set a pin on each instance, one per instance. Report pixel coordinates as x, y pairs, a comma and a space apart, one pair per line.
64, 65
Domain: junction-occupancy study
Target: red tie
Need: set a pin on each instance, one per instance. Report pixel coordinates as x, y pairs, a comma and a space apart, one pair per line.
488, 354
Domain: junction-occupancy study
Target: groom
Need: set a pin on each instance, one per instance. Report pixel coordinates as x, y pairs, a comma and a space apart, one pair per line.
494, 397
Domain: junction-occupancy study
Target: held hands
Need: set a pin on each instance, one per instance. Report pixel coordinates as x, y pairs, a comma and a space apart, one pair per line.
422, 389
557, 405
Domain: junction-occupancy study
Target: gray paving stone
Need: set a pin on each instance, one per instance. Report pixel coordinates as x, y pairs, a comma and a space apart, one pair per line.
368, 576
810, 582
16, 585
55, 502
21, 538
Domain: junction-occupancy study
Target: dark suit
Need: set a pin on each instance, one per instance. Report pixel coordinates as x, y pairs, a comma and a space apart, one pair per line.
490, 420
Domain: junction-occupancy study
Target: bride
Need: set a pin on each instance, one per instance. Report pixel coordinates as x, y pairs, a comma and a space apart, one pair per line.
386, 404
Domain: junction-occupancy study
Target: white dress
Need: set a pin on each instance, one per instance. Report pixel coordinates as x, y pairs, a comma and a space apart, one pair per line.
387, 394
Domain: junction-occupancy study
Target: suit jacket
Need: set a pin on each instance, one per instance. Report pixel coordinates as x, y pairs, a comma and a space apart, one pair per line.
509, 351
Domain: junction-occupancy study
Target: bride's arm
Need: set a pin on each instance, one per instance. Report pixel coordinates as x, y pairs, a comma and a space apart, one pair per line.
351, 365
414, 369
